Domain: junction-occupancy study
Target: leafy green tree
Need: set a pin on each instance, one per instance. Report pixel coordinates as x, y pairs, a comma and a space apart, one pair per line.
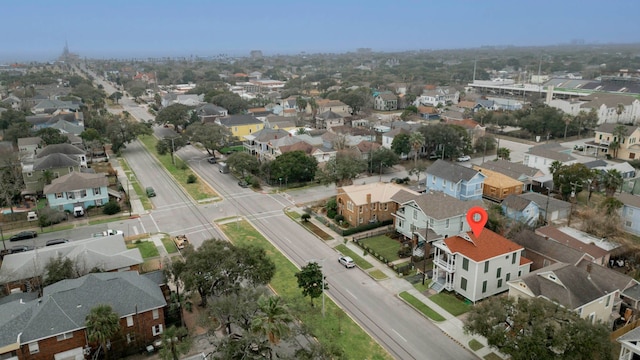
569, 178
401, 144
230, 101
453, 140
170, 145
294, 166
90, 134
102, 324
310, 279
301, 104
382, 158
16, 131
619, 133
504, 153
90, 95
120, 132
341, 169
52, 136
157, 99
58, 269
537, 329
272, 319
175, 341
485, 143
611, 205
619, 110
243, 163
175, 114
136, 92
418, 169
11, 116
12, 183
218, 267
237, 308
116, 96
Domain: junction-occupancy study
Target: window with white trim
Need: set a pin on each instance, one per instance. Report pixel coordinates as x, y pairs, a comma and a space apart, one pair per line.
156, 329
96, 191
34, 348
131, 337
64, 336
156, 314
349, 206
129, 321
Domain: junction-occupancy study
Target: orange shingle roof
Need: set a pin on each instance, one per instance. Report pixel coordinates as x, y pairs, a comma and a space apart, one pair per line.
487, 246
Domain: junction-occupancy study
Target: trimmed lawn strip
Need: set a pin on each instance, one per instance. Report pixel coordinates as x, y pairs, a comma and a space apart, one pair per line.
332, 329
293, 214
169, 245
198, 190
57, 228
383, 245
108, 220
147, 248
450, 303
362, 263
475, 345
422, 288
378, 275
492, 356
420, 306
142, 195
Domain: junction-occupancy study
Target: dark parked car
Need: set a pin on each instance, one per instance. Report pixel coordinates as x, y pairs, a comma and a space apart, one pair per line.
19, 249
243, 184
212, 160
29, 234
56, 242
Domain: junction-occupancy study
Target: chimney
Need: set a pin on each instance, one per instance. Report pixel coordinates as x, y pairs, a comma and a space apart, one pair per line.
589, 271
368, 198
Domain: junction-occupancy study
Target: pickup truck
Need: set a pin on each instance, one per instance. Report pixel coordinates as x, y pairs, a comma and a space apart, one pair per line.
181, 241
109, 233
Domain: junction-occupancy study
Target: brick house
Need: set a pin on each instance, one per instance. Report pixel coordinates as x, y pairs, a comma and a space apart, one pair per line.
53, 326
362, 204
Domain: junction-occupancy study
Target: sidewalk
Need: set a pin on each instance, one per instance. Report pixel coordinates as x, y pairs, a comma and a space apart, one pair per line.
451, 326
127, 179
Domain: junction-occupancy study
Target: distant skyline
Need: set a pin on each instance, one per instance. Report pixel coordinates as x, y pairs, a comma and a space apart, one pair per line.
37, 29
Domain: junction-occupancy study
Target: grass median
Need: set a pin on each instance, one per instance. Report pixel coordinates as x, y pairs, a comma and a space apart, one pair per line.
335, 328
420, 306
198, 190
142, 195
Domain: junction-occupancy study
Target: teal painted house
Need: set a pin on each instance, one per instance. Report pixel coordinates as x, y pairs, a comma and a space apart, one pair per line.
77, 189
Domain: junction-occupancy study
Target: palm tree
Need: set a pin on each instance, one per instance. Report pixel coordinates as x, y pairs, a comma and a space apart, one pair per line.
611, 205
47, 177
619, 110
611, 180
567, 120
102, 324
619, 132
416, 139
273, 320
174, 343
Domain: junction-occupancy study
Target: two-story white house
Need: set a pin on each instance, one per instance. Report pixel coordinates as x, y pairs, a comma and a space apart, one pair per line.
455, 180
541, 156
439, 96
385, 101
430, 216
477, 267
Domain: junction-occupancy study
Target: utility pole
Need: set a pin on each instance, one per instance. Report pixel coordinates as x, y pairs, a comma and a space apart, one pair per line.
426, 254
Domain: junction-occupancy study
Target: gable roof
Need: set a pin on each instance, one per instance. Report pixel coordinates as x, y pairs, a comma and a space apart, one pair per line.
76, 181
380, 192
575, 286
549, 248
29, 141
330, 115
65, 304
436, 204
239, 120
547, 202
452, 172
554, 233
55, 161
67, 149
267, 134
487, 246
516, 202
299, 146
551, 151
511, 169
498, 180
608, 128
629, 199
106, 252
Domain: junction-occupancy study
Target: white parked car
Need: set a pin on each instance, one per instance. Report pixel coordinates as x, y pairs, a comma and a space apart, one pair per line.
346, 261
464, 158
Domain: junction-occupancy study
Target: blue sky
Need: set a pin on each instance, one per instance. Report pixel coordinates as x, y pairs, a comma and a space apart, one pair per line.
37, 29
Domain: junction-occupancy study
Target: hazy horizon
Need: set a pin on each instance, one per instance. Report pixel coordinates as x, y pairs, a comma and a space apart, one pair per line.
37, 30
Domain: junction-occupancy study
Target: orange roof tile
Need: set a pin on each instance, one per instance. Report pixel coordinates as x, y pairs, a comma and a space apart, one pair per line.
487, 246
524, 260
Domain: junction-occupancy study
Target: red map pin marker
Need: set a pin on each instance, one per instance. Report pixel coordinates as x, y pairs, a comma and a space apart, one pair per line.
477, 217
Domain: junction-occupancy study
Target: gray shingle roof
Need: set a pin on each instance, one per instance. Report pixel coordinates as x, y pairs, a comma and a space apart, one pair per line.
629, 199
516, 202
54, 161
551, 152
541, 200
436, 204
609, 127
67, 149
239, 120
513, 170
328, 115
548, 248
65, 304
76, 181
450, 171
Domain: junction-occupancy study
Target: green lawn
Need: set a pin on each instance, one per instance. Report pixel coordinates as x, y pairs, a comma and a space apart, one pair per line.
383, 245
492, 356
198, 190
450, 303
378, 274
328, 330
147, 248
236, 148
108, 220
362, 263
420, 306
422, 288
57, 227
475, 345
293, 214
169, 244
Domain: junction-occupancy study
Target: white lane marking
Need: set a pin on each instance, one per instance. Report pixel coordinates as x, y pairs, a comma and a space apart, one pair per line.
142, 225
350, 293
287, 239
400, 336
135, 230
